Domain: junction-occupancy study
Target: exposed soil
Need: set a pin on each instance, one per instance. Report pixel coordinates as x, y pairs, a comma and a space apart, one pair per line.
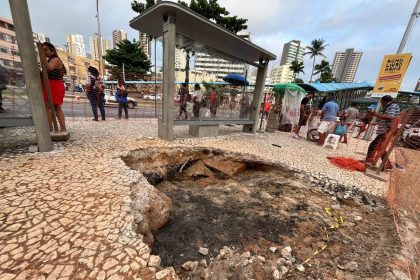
239, 218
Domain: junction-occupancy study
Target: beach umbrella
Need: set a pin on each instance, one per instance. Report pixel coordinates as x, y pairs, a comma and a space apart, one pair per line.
236, 80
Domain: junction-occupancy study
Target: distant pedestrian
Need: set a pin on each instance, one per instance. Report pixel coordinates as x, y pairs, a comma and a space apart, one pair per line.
213, 102
122, 98
183, 98
55, 71
4, 81
388, 112
197, 99
94, 91
304, 112
328, 117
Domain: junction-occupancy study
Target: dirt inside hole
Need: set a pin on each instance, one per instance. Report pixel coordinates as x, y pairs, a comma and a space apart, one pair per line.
248, 213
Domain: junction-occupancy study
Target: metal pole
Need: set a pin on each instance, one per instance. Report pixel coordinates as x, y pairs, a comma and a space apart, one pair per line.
25, 40
155, 79
99, 39
123, 72
410, 25
407, 33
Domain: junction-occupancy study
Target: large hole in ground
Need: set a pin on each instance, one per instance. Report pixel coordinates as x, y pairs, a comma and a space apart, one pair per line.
228, 200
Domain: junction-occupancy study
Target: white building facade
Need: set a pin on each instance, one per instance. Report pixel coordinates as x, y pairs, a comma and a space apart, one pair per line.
293, 50
220, 67
281, 74
93, 44
76, 45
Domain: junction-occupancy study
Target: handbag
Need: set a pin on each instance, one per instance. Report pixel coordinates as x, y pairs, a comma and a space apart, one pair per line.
340, 130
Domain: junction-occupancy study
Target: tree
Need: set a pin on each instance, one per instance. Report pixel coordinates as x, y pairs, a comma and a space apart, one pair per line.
296, 67
139, 7
298, 81
135, 61
323, 67
210, 9
327, 77
315, 49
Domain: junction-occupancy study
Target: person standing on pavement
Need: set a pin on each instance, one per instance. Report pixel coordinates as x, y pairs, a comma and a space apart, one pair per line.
388, 112
4, 81
122, 98
328, 117
55, 71
183, 96
91, 91
213, 102
197, 98
304, 113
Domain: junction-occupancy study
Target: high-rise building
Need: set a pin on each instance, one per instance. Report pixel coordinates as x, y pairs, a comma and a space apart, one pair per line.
281, 74
118, 36
180, 59
345, 65
220, 67
93, 44
417, 88
145, 44
9, 51
76, 45
293, 50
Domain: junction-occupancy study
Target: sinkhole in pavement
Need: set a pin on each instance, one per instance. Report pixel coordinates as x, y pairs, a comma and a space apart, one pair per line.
249, 205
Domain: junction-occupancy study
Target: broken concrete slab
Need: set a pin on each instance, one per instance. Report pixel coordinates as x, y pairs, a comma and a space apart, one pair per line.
229, 168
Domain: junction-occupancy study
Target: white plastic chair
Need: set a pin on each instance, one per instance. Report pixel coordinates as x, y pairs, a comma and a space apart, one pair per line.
332, 141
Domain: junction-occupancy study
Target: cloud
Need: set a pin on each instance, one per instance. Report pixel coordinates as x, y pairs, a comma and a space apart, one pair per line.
374, 27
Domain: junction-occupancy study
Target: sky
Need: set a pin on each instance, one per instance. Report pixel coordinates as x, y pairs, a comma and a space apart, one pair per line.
374, 27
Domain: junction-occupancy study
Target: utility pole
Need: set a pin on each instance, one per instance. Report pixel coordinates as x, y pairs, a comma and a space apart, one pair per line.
99, 39
123, 72
414, 16
404, 39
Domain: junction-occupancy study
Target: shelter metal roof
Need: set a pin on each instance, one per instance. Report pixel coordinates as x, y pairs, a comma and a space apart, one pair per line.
329, 87
197, 33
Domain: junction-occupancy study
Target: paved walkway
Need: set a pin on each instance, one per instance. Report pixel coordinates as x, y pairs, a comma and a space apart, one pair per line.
66, 214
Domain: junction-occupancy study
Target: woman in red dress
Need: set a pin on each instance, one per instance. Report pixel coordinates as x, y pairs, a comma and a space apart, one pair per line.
55, 70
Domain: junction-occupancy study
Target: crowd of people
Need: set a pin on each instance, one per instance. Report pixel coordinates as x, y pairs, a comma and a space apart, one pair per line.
334, 121
197, 105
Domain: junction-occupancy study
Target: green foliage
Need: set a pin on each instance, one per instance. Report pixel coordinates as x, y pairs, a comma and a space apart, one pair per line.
296, 67
211, 10
323, 67
298, 81
135, 61
139, 7
315, 49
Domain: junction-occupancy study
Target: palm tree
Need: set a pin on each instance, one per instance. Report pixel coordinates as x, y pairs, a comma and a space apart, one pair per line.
315, 49
323, 67
296, 67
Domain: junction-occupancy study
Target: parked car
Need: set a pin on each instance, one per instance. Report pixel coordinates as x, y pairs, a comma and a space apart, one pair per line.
411, 136
152, 97
110, 99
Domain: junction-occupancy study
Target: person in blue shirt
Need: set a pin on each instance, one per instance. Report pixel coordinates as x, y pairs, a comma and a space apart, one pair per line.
328, 117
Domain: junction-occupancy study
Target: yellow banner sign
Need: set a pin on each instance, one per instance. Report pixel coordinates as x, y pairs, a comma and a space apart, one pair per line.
391, 74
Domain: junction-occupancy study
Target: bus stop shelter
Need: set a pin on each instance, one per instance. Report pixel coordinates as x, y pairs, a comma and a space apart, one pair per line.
180, 27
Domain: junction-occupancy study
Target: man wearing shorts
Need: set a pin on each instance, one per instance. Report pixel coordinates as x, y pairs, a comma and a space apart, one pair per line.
329, 117
304, 112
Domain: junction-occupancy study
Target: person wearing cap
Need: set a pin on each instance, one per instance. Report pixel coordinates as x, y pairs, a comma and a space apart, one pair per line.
329, 118
388, 112
197, 98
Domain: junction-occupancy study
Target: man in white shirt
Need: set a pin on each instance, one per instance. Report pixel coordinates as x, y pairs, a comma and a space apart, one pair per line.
197, 98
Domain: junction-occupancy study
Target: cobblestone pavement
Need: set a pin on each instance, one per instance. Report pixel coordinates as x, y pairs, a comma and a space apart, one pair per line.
66, 215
